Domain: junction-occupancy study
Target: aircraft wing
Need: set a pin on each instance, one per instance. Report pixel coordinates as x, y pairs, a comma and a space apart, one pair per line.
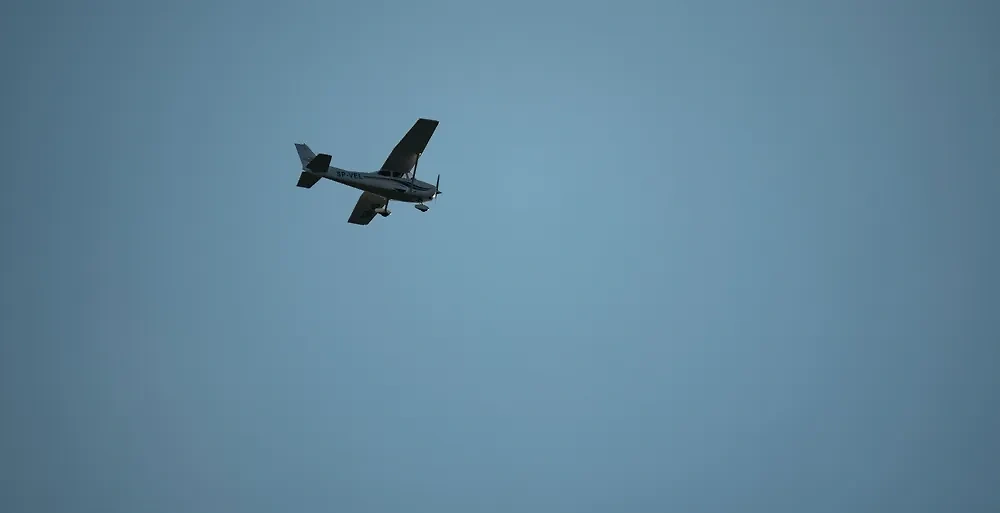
364, 210
404, 155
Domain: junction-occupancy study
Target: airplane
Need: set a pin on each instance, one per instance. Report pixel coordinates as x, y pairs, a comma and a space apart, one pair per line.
393, 181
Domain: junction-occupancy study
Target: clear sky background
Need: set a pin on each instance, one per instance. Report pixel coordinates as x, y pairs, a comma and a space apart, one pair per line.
690, 256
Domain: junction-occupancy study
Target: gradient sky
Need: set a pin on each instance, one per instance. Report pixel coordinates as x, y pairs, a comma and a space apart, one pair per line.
690, 257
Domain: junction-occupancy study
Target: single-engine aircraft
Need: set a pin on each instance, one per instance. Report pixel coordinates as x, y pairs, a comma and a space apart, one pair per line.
394, 181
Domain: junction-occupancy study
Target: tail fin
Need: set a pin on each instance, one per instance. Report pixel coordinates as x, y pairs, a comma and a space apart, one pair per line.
305, 154
310, 163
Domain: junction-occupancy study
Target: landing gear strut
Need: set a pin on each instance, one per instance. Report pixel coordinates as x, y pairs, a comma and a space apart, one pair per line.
383, 210
420, 206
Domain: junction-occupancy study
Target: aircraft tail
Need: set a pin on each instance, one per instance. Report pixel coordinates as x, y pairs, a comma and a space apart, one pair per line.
305, 154
311, 164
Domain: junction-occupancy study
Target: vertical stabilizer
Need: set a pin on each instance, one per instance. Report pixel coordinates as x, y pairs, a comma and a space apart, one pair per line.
306, 179
305, 154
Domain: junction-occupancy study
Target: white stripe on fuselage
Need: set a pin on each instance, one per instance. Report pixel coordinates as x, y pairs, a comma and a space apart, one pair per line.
398, 189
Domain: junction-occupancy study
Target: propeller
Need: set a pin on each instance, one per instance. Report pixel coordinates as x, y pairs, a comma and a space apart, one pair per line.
436, 188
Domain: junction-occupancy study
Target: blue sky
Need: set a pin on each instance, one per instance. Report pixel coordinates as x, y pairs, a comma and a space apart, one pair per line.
690, 256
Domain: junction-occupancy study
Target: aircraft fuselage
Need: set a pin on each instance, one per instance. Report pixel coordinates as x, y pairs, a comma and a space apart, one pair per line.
393, 188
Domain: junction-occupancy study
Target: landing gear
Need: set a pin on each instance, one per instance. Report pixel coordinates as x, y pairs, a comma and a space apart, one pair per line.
383, 210
419, 206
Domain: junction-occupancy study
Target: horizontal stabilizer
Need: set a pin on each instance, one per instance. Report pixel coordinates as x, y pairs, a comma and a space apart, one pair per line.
307, 180
320, 163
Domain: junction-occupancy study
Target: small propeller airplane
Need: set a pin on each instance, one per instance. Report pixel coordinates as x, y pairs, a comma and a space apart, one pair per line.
394, 181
